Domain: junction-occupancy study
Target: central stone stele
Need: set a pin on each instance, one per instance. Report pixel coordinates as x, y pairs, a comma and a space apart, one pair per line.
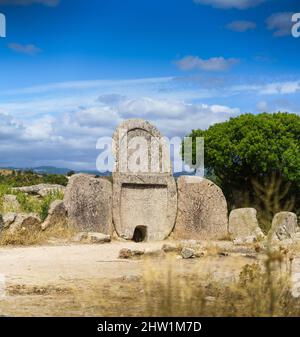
144, 190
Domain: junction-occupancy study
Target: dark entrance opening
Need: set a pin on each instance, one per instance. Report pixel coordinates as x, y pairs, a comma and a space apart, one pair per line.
140, 234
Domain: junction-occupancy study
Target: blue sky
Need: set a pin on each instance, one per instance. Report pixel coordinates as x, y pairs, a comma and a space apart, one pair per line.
71, 70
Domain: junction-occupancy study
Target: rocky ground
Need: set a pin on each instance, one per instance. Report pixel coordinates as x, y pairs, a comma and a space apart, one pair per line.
92, 279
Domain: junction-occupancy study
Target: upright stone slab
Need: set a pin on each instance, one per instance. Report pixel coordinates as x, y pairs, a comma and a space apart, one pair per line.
57, 215
243, 223
284, 225
144, 190
88, 201
202, 210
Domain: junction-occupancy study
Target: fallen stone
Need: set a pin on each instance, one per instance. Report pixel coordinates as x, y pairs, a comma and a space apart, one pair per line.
137, 252
57, 215
125, 253
187, 253
88, 201
8, 219
98, 237
91, 237
202, 210
40, 189
25, 222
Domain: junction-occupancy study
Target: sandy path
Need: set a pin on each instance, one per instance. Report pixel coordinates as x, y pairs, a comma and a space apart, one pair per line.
90, 280
59, 264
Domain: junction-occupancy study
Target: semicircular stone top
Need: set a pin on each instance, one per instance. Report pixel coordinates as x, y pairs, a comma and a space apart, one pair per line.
139, 147
144, 190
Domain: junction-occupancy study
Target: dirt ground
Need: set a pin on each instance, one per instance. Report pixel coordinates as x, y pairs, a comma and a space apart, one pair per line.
61, 280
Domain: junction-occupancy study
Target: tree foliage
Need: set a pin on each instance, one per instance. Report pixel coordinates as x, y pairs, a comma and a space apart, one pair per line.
253, 148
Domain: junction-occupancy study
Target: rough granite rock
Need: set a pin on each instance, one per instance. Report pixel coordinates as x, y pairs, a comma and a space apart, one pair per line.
144, 194
202, 210
80, 237
57, 215
125, 253
10, 203
1, 223
88, 201
91, 237
25, 221
243, 223
245, 240
284, 225
40, 189
8, 219
187, 253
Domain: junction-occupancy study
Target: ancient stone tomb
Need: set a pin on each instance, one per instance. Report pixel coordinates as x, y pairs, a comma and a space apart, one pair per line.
144, 190
141, 201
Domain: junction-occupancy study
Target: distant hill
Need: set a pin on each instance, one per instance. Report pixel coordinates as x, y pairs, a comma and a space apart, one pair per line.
50, 170
65, 171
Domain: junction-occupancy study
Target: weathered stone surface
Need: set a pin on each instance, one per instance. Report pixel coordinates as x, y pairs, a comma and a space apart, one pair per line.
98, 237
284, 225
202, 210
10, 203
171, 248
187, 253
1, 223
41, 189
57, 215
91, 237
79, 237
8, 219
25, 221
245, 240
88, 201
243, 223
125, 253
144, 190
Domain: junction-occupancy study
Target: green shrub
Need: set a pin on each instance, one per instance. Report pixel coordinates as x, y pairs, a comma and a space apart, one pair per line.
28, 203
46, 202
27, 178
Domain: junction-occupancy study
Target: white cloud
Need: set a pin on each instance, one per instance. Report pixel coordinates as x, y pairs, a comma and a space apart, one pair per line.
280, 23
281, 88
29, 49
273, 88
50, 3
262, 106
241, 26
59, 124
212, 64
71, 137
238, 4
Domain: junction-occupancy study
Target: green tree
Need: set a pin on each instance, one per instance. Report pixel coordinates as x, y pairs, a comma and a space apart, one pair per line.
247, 150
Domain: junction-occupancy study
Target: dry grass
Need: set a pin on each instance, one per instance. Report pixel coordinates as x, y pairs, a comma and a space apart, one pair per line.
29, 237
260, 290
164, 289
